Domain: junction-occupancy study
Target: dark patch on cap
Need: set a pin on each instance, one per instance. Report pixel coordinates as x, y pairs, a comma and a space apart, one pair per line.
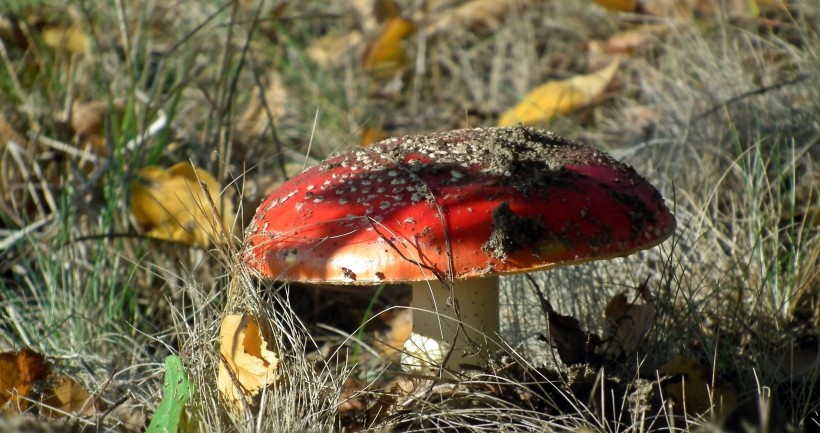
512, 233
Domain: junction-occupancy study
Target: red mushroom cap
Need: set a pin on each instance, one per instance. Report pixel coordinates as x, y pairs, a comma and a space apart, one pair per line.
460, 204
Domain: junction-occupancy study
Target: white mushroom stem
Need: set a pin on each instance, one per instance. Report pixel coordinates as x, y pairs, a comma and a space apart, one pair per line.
436, 332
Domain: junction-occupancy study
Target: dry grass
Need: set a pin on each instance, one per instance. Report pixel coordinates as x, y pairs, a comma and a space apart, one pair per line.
721, 115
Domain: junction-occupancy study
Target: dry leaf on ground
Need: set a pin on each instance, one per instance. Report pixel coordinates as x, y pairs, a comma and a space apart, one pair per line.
173, 205
472, 15
627, 323
330, 50
248, 365
71, 39
630, 41
559, 97
574, 346
18, 372
385, 55
67, 396
21, 371
400, 326
371, 13
618, 5
691, 387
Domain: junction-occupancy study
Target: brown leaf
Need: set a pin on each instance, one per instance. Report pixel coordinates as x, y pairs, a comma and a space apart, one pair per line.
574, 346
174, 206
690, 387
630, 41
618, 5
558, 97
371, 13
18, 372
473, 15
248, 365
68, 396
627, 324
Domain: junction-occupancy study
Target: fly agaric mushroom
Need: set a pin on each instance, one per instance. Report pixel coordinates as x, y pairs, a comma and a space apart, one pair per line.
450, 212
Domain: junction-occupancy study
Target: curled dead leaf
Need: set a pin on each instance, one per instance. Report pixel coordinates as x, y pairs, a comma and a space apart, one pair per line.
558, 97
175, 204
627, 324
689, 386
248, 365
574, 346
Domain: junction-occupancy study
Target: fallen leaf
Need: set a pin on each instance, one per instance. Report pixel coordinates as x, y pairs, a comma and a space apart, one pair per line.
690, 388
681, 10
70, 39
18, 373
574, 346
248, 365
630, 41
331, 50
371, 13
472, 15
559, 97
618, 5
730, 8
371, 134
626, 325
400, 326
67, 397
87, 121
176, 391
385, 55
173, 206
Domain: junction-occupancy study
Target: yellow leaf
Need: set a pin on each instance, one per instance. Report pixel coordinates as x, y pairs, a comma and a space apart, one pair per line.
173, 205
691, 388
68, 396
385, 55
559, 97
248, 365
70, 39
618, 5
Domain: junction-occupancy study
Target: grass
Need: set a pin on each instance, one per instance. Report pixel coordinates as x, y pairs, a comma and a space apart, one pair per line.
720, 114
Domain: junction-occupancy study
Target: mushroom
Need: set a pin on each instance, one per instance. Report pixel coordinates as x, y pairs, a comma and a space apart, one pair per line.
448, 213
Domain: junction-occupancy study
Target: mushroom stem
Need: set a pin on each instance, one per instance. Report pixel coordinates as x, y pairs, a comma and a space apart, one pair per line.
436, 329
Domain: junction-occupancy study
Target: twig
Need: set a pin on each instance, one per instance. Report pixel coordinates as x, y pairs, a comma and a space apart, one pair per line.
755, 92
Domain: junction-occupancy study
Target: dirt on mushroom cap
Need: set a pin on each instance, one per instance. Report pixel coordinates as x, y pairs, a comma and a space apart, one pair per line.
495, 200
